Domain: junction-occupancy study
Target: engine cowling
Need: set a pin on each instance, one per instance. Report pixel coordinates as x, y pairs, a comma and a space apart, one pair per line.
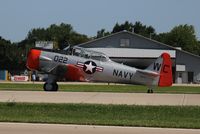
33, 59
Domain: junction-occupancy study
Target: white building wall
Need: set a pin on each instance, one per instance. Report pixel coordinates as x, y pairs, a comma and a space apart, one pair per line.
133, 53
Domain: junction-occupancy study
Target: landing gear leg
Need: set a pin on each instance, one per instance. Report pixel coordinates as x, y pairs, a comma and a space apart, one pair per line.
50, 84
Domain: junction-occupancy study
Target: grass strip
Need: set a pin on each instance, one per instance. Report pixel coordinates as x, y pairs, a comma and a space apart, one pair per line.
93, 114
101, 88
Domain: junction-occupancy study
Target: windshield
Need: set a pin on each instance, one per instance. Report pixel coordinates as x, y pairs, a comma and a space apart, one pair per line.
88, 54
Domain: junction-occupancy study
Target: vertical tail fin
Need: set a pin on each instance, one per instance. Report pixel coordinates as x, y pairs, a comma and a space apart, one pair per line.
163, 66
166, 71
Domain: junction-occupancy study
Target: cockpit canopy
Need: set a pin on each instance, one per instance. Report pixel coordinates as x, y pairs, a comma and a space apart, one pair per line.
89, 54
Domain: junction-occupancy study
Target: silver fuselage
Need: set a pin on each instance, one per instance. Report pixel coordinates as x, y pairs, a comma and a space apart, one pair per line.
105, 70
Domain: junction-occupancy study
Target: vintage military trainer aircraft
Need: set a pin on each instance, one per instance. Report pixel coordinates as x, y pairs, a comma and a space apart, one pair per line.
81, 64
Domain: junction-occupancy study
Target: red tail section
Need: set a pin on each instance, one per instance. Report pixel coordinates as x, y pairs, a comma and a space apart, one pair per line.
166, 71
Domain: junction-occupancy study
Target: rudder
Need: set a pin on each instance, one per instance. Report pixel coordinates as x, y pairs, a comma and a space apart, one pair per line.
166, 71
163, 67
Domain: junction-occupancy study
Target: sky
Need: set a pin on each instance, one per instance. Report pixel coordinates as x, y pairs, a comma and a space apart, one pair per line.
18, 17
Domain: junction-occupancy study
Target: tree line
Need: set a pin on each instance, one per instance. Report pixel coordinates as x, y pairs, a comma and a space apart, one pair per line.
13, 55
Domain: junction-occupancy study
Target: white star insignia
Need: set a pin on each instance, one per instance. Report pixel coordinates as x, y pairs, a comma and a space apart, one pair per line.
89, 67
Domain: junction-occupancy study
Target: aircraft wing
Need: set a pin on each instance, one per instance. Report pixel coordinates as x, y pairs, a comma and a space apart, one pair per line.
69, 71
46, 64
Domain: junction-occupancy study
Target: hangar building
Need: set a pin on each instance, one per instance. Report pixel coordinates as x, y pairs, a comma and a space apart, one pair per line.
138, 51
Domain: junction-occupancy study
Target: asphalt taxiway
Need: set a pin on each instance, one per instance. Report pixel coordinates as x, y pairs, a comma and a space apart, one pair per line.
29, 128
97, 98
100, 98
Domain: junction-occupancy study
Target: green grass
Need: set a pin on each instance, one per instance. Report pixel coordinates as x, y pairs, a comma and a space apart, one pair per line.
101, 88
14, 86
91, 114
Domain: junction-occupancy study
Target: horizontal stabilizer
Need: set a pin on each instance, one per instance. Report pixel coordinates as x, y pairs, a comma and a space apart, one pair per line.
148, 73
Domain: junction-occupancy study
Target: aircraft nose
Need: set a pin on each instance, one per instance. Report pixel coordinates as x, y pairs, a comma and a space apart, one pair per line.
33, 59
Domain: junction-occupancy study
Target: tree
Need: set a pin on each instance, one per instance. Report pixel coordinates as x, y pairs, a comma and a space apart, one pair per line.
125, 26
147, 31
6, 53
181, 36
102, 33
60, 34
138, 28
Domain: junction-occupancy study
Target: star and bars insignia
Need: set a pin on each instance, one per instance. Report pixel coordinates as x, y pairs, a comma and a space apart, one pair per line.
89, 67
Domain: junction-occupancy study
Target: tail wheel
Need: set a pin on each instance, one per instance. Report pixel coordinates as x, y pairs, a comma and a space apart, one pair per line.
150, 91
50, 87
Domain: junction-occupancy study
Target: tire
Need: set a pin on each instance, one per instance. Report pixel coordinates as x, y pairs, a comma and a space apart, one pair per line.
55, 86
50, 87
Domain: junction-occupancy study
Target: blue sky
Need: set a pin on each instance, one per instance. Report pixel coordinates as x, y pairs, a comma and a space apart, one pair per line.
17, 17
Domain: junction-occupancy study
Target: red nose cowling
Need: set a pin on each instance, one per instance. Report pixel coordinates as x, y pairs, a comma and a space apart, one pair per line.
32, 62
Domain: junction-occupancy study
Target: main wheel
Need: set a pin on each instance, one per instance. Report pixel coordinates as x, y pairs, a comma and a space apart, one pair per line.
55, 86
50, 87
